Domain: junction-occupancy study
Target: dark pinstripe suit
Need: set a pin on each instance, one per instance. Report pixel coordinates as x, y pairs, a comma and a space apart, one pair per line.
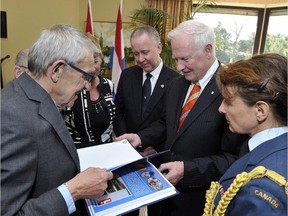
204, 143
128, 101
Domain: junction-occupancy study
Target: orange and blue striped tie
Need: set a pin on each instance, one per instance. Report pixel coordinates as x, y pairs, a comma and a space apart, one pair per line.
191, 100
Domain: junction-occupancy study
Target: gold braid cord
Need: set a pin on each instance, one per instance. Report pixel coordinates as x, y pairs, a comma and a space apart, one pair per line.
240, 180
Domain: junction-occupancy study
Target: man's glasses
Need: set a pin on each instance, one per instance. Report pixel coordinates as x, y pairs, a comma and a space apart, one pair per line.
87, 76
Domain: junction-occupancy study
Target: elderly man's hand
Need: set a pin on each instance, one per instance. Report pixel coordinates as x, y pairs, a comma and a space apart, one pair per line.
173, 171
89, 184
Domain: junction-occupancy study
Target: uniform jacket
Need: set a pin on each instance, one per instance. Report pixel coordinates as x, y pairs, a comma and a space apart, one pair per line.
204, 143
128, 100
37, 152
260, 196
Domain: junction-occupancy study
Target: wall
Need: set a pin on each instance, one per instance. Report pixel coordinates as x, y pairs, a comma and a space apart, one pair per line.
26, 18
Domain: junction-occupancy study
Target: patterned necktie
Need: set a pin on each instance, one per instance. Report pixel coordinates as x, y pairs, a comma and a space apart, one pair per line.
191, 100
146, 92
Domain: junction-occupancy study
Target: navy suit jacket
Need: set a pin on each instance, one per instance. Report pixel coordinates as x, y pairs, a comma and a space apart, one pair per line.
204, 143
260, 196
129, 118
37, 152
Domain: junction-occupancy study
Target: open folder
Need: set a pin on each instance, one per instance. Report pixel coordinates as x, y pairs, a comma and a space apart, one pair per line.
136, 181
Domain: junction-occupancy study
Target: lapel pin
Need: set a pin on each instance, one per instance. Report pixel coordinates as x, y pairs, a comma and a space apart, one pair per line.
212, 92
162, 86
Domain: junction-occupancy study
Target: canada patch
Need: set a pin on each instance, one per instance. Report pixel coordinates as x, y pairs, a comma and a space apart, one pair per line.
266, 196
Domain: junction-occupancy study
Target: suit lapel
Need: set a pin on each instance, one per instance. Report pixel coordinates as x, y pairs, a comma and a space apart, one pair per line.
158, 91
49, 111
181, 94
209, 94
254, 157
137, 90
57, 122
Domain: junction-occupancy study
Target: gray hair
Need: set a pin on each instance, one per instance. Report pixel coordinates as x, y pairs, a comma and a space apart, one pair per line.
59, 42
146, 29
201, 33
22, 58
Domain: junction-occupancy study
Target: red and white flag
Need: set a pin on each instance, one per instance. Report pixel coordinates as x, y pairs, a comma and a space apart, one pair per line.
89, 19
117, 56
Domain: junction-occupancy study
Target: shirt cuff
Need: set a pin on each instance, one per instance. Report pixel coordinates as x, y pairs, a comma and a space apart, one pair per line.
68, 198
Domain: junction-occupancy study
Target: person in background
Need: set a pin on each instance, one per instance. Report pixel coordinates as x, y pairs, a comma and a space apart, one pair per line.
255, 103
90, 120
40, 170
21, 63
135, 111
131, 114
200, 143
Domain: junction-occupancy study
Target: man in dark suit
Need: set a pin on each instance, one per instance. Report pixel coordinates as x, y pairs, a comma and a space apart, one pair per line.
39, 162
203, 147
131, 113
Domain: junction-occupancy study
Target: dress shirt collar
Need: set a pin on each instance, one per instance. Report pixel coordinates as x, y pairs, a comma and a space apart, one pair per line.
265, 135
204, 81
155, 73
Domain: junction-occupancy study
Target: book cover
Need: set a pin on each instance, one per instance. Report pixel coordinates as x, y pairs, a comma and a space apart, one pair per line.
136, 183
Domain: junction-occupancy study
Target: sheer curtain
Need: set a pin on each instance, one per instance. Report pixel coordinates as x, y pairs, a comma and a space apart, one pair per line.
179, 10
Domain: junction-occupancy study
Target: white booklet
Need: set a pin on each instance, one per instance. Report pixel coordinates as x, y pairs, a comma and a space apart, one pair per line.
136, 182
109, 155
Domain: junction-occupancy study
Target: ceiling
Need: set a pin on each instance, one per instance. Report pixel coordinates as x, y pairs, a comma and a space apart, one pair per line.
252, 3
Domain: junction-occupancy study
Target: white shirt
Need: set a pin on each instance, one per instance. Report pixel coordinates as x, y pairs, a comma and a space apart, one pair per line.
265, 135
204, 81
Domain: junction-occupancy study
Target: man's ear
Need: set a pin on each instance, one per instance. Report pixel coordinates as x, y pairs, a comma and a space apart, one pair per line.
159, 47
208, 49
262, 110
17, 71
56, 69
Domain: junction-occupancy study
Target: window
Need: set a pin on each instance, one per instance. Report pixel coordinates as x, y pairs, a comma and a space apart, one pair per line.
277, 34
235, 32
242, 32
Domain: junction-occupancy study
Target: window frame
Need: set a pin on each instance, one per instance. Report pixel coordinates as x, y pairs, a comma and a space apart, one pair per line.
263, 15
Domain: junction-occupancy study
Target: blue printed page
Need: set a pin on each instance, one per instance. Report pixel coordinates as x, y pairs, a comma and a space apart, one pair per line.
133, 186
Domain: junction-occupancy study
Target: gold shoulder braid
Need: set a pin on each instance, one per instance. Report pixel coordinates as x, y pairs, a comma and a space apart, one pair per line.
240, 180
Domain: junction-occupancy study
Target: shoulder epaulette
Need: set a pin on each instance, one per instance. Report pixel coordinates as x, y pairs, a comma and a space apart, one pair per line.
240, 180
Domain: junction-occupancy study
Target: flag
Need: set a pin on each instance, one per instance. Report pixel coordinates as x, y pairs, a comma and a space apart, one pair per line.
118, 61
89, 19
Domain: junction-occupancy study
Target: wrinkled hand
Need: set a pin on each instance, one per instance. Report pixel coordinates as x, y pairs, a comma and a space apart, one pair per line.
173, 171
90, 184
134, 139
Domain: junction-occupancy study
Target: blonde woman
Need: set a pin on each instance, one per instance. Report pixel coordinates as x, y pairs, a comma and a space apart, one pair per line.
90, 119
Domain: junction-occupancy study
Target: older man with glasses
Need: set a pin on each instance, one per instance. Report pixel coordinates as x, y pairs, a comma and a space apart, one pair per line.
87, 76
40, 171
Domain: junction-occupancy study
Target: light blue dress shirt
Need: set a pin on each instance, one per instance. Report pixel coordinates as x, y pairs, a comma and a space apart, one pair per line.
68, 198
265, 135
